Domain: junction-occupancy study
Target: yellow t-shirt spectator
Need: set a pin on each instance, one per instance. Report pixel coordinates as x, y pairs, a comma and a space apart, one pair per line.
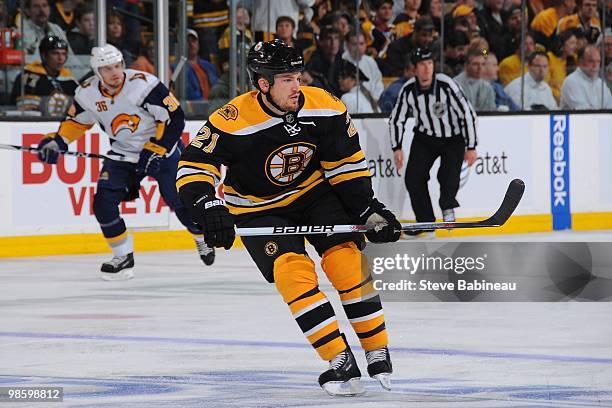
510, 68
546, 21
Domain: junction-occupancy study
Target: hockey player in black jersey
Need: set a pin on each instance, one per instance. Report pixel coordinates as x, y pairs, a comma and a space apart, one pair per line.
293, 158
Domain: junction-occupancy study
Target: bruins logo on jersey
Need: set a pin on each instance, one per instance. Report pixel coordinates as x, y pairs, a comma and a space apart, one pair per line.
286, 163
125, 121
228, 112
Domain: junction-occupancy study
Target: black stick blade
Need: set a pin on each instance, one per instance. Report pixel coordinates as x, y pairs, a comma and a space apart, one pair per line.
513, 196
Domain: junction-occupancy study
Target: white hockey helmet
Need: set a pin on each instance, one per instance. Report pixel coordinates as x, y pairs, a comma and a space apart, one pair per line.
106, 55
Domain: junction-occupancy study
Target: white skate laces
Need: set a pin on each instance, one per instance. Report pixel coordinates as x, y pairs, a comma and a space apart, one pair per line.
376, 355
379, 366
117, 260
338, 361
204, 249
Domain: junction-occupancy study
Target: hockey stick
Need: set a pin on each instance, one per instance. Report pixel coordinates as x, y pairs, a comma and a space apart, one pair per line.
511, 200
67, 153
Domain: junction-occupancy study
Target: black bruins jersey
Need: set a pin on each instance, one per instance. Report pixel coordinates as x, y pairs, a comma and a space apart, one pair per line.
278, 163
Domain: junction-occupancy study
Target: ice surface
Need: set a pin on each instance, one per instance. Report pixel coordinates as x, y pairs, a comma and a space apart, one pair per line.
184, 335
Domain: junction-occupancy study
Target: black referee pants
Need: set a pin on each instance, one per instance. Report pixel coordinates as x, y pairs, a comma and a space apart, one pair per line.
423, 152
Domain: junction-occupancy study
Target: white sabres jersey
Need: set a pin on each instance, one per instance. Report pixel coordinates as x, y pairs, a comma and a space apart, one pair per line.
130, 118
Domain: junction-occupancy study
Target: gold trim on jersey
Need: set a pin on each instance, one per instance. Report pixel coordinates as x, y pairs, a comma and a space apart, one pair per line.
242, 204
349, 176
155, 148
195, 178
160, 129
72, 130
351, 159
242, 116
319, 102
208, 167
346, 169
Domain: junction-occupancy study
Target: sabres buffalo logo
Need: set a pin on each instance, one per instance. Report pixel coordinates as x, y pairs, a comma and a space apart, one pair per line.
125, 121
285, 164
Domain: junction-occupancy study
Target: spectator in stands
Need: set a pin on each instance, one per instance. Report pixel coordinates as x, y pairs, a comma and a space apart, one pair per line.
4, 15
244, 38
582, 89
210, 18
326, 60
455, 50
219, 94
448, 17
115, 35
201, 74
354, 95
62, 14
512, 34
146, 62
400, 49
503, 102
608, 46
321, 11
46, 78
562, 61
266, 12
81, 37
36, 25
343, 23
285, 27
584, 20
389, 96
355, 53
510, 67
131, 24
536, 94
404, 22
581, 40
544, 24
468, 13
608, 57
435, 12
491, 21
478, 91
380, 33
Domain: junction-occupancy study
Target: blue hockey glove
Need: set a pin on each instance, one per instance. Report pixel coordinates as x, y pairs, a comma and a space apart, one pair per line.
150, 159
50, 147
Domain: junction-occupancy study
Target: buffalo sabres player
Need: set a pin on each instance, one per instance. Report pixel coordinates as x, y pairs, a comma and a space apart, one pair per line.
293, 158
144, 122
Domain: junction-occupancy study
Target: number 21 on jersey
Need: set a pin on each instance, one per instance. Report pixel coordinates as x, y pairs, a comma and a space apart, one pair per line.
202, 138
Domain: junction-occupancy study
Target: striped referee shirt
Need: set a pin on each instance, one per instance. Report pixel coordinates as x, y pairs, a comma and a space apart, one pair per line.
440, 111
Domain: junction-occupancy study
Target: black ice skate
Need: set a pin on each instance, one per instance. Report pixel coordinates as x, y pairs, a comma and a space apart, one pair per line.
343, 377
118, 268
207, 254
379, 366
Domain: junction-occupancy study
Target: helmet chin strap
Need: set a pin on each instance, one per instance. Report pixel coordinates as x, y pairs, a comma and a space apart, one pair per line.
270, 100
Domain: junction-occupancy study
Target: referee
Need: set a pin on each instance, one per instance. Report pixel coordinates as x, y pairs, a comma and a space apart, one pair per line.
445, 127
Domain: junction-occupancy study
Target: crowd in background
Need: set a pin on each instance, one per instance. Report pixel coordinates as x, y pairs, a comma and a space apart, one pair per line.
359, 55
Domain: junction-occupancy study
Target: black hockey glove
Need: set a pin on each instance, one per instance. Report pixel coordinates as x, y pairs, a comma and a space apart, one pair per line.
50, 147
216, 221
384, 226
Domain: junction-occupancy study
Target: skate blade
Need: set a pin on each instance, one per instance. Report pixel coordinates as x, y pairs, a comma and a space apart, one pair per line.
122, 275
350, 388
384, 379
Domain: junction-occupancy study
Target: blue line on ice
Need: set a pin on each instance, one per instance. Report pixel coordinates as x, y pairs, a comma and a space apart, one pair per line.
249, 343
